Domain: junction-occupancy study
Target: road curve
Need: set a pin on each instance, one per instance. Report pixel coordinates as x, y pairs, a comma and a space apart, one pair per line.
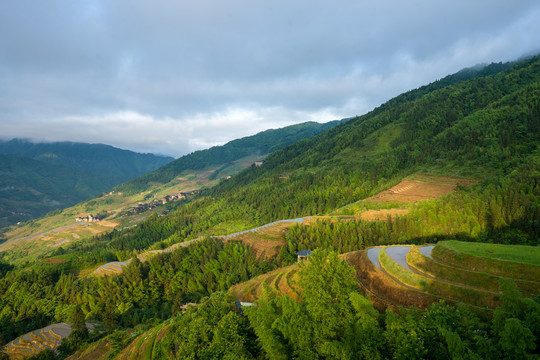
373, 256
426, 250
399, 255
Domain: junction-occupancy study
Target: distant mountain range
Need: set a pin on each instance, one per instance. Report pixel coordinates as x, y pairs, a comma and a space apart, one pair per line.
36, 178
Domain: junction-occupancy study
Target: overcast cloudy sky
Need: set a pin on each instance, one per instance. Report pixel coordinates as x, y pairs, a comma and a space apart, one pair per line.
175, 76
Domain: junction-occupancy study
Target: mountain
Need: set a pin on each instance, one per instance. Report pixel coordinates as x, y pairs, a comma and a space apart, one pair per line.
117, 164
260, 144
478, 130
131, 201
40, 177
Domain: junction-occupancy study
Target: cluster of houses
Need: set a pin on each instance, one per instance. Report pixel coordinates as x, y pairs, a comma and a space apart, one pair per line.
91, 218
143, 207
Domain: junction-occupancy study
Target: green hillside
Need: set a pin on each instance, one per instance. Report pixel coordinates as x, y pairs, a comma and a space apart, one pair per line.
480, 126
260, 144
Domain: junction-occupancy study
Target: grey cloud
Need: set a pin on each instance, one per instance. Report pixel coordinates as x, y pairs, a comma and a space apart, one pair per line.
176, 76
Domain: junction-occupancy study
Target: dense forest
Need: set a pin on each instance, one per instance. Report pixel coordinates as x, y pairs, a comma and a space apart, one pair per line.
480, 123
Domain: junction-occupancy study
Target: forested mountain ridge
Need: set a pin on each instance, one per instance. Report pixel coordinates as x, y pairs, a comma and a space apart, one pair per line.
482, 127
485, 127
30, 188
41, 177
259, 144
121, 165
127, 204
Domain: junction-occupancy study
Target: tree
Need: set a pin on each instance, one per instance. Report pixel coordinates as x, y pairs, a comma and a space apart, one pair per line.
516, 340
109, 318
3, 355
318, 326
79, 331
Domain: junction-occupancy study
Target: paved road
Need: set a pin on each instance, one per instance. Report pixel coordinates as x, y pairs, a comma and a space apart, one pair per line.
373, 255
105, 268
399, 254
426, 250
298, 220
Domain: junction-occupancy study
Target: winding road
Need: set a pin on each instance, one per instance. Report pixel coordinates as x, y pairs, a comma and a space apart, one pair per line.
399, 255
117, 266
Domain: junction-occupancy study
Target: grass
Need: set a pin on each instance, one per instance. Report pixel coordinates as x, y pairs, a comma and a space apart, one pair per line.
380, 140
450, 273
454, 292
361, 206
498, 260
463, 276
516, 253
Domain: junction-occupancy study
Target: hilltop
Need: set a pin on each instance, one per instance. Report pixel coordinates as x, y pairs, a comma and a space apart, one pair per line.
258, 145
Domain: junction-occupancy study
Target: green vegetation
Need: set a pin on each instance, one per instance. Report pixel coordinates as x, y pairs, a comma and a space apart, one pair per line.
438, 288
515, 253
481, 124
493, 266
333, 320
466, 277
260, 144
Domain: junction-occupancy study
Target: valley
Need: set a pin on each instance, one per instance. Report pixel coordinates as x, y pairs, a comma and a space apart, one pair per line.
122, 211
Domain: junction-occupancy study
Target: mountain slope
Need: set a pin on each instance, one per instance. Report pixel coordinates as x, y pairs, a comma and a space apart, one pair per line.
485, 127
260, 144
141, 197
479, 127
31, 188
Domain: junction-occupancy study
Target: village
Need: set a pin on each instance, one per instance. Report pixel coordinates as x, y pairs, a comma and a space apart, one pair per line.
143, 207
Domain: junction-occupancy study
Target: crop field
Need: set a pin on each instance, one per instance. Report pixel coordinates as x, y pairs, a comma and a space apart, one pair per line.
56, 230
144, 346
516, 253
280, 281
266, 240
30, 344
421, 275
421, 187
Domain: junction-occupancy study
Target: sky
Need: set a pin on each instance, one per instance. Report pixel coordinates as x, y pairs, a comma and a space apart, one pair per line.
175, 76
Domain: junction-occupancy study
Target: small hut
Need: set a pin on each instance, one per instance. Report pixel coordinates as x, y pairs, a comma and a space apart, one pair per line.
303, 254
242, 304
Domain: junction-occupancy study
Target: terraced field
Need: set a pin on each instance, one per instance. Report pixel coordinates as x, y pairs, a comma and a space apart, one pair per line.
280, 281
145, 346
418, 276
32, 343
421, 187
411, 275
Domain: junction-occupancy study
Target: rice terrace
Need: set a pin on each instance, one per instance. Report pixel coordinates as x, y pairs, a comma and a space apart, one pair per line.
411, 275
